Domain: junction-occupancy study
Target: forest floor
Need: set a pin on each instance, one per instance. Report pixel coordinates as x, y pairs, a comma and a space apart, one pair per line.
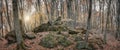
112, 44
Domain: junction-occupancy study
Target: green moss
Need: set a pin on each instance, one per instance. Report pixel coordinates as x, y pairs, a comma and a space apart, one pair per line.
78, 38
64, 41
52, 40
81, 45
48, 41
41, 28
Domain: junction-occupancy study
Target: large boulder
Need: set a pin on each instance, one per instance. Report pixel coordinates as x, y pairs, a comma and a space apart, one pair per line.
63, 41
49, 41
11, 37
41, 28
46, 27
78, 38
56, 25
52, 40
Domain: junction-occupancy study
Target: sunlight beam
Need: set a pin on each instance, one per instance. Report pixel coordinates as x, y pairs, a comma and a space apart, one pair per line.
26, 18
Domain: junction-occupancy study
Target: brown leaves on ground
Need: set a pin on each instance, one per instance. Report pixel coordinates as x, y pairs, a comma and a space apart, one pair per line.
94, 39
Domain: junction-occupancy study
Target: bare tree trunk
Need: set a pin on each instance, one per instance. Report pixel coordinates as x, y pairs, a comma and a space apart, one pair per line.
69, 9
1, 25
48, 12
102, 25
107, 22
18, 32
88, 20
1, 18
118, 21
8, 17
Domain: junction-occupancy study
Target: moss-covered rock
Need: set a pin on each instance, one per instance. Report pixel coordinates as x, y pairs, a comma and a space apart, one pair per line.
92, 44
56, 25
73, 31
41, 28
52, 40
81, 45
78, 38
11, 37
96, 42
48, 27
30, 35
63, 41
57, 28
49, 41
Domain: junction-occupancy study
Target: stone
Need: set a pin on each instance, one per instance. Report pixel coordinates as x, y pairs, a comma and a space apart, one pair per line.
81, 45
73, 31
30, 35
49, 41
10, 37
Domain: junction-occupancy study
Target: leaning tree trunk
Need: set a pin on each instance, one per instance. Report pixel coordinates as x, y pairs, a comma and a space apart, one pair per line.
18, 32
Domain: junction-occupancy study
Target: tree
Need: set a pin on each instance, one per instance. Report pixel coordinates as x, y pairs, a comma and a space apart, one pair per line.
18, 32
1, 21
1, 15
118, 20
107, 21
88, 20
8, 17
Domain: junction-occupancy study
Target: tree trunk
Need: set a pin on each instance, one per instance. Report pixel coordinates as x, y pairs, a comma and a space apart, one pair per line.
118, 21
1, 13
18, 32
107, 22
8, 17
88, 20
